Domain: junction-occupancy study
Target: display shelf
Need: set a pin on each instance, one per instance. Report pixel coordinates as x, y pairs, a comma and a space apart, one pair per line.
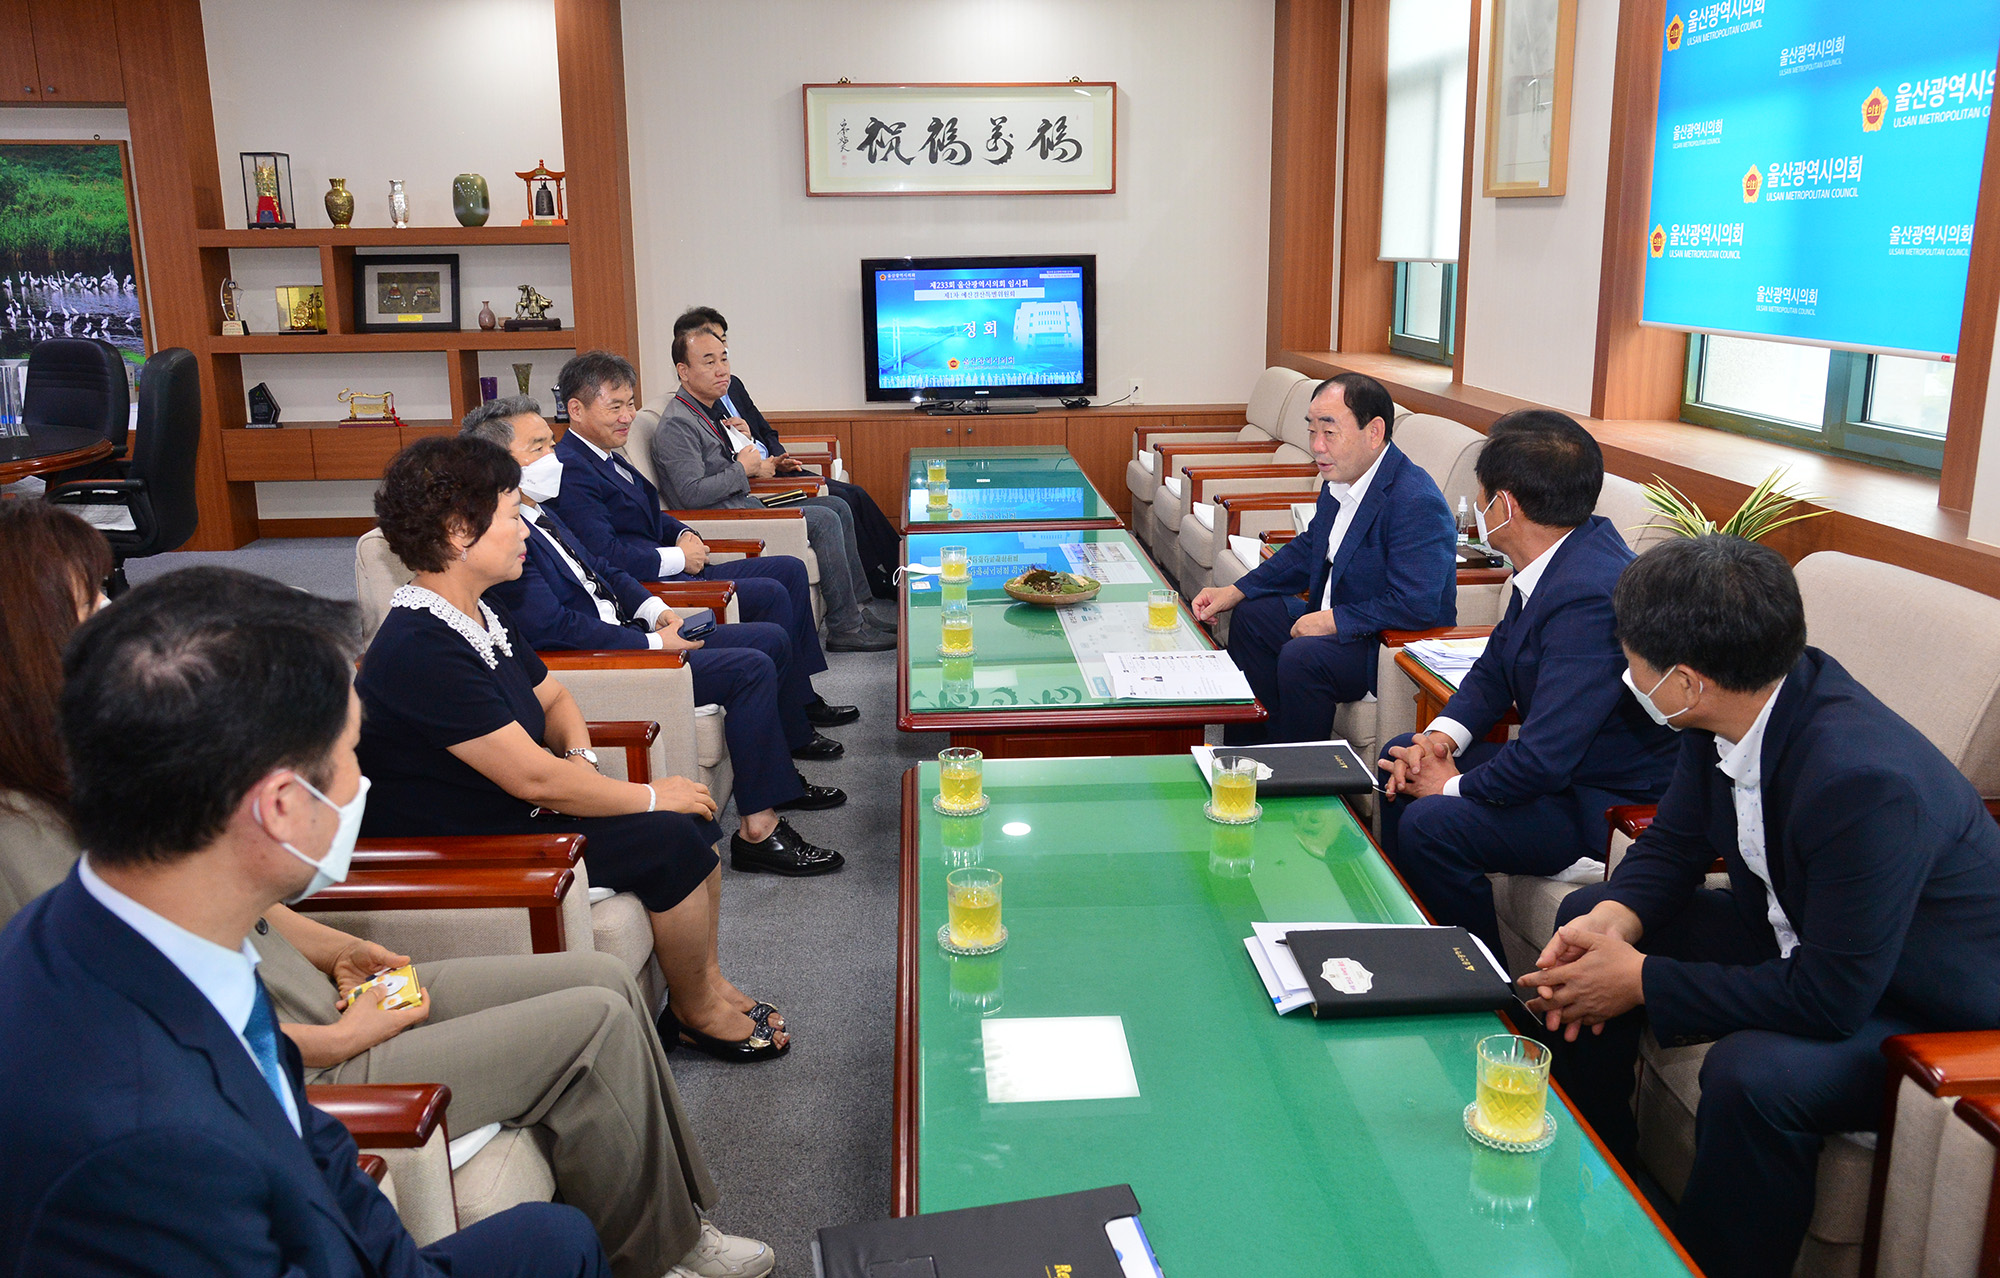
381, 236
381, 343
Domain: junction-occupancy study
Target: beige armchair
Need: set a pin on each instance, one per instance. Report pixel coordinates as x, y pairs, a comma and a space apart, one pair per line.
1144, 472
1933, 1207
1200, 472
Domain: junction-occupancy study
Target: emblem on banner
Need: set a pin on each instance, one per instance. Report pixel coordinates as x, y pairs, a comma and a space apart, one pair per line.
1674, 30
1753, 182
1874, 109
1658, 241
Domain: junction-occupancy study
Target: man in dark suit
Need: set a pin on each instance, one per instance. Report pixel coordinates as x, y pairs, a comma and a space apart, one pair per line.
875, 536
1377, 556
1463, 807
617, 514
568, 598
1863, 900
156, 1120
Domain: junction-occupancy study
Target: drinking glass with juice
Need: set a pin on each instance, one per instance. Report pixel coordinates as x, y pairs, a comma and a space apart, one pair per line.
1163, 610
1233, 793
1513, 1088
973, 907
959, 783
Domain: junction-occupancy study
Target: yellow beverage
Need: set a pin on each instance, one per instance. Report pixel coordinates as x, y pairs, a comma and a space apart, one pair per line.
956, 634
1510, 1100
940, 496
975, 915
1235, 796
934, 472
958, 788
1162, 616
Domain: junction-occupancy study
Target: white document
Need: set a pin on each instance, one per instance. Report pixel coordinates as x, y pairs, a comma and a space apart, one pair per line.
1109, 562
1449, 658
1176, 676
1302, 514
1045, 1058
1283, 980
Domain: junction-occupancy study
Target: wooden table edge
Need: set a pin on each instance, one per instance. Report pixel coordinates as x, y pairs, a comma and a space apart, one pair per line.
903, 1141
15, 471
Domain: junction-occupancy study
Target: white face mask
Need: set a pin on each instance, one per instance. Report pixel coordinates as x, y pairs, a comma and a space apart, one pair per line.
1479, 517
331, 868
541, 479
1653, 711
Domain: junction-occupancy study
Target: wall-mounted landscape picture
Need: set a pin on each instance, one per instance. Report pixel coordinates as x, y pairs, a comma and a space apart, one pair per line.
69, 265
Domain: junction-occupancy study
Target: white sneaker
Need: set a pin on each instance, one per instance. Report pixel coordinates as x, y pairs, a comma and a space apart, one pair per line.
719, 1255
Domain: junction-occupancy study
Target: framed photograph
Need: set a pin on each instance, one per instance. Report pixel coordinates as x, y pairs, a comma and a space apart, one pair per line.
69, 248
1527, 97
962, 139
406, 294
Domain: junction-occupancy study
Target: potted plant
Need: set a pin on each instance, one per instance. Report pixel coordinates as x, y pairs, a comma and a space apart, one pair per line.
1767, 509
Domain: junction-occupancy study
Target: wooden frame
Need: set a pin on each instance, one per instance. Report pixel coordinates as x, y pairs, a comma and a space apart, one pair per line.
832, 150
445, 264
145, 343
1511, 24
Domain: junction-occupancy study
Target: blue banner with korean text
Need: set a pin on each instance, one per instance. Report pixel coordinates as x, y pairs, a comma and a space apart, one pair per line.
1816, 169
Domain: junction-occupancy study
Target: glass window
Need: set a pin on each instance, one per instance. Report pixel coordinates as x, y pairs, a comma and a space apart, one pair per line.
1426, 316
1913, 394
1770, 379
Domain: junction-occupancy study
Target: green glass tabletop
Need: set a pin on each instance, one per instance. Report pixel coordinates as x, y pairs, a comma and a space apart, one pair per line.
1026, 656
1256, 1144
1003, 486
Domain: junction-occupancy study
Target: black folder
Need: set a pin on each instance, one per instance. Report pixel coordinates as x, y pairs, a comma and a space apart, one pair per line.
1322, 767
1397, 971
1006, 1240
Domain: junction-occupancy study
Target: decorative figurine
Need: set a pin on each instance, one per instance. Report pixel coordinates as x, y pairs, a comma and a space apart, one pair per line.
522, 372
545, 196
264, 409
561, 417
370, 408
471, 203
339, 203
301, 308
531, 313
399, 205
486, 317
232, 322
267, 189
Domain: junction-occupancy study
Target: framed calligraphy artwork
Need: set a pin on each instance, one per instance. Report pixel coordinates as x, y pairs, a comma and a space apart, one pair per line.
1527, 97
961, 139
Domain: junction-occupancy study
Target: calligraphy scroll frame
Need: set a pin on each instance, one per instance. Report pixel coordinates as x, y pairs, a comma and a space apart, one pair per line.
833, 169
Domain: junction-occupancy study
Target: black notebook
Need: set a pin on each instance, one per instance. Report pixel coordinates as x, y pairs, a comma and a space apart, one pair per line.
1397, 971
1062, 1234
1316, 767
791, 497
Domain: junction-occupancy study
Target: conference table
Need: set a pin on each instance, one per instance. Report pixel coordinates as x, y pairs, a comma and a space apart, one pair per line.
1122, 1036
1036, 684
1004, 487
49, 448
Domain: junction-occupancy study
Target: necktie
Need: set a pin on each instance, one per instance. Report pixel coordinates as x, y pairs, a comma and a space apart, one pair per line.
590, 579
1514, 606
262, 1032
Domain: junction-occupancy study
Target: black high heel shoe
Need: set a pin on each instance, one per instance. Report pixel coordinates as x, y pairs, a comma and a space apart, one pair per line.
759, 1046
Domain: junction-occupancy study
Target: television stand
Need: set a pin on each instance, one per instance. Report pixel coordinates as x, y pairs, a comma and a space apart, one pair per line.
975, 408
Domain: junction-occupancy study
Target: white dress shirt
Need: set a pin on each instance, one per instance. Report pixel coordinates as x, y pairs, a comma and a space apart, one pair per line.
1349, 496
226, 978
1742, 762
607, 608
1525, 582
673, 560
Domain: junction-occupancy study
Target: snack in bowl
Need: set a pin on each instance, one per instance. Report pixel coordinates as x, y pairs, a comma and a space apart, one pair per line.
1055, 589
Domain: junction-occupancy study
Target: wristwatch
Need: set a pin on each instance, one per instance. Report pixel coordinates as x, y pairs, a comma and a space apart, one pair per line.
585, 753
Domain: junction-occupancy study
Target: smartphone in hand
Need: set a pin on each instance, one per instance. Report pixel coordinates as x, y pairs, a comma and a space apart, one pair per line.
697, 623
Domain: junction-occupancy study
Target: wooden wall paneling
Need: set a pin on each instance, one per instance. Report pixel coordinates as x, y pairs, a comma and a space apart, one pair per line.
462, 372
1011, 432
164, 65
1102, 446
1305, 177
285, 453
76, 51
408, 434
1473, 93
1971, 380
1367, 284
590, 51
20, 81
876, 459
1640, 372
336, 277
353, 452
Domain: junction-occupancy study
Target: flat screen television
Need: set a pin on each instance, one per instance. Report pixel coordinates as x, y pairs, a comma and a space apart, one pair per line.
979, 328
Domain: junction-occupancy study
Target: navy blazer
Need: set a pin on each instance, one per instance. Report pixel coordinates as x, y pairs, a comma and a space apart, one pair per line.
1557, 660
616, 519
140, 1135
1882, 854
1396, 568
553, 610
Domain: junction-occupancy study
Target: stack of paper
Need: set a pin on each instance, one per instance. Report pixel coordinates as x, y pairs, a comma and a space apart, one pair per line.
1283, 980
1176, 676
1450, 658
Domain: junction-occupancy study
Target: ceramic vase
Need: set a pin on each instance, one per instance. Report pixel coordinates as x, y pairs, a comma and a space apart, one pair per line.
339, 203
399, 205
470, 200
486, 317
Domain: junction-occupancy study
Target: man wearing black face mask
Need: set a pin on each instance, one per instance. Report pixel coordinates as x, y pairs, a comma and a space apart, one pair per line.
1864, 900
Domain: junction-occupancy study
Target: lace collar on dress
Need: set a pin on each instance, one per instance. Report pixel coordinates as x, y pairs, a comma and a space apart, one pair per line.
483, 641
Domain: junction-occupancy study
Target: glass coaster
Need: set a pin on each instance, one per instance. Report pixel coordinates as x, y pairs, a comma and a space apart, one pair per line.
1163, 630
937, 805
1540, 1142
956, 652
1256, 811
945, 942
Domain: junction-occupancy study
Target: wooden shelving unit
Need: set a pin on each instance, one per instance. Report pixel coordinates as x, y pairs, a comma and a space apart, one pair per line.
382, 236
378, 343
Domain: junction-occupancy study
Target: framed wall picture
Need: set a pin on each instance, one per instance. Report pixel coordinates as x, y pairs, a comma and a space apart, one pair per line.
69, 247
1527, 97
406, 294
961, 139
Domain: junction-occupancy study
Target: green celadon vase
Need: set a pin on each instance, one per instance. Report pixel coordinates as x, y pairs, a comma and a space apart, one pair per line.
471, 203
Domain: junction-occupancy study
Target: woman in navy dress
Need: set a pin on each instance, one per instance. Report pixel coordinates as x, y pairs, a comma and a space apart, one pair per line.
464, 732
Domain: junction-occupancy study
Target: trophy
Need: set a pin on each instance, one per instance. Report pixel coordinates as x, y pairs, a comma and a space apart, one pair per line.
370, 408
264, 409
545, 196
232, 323
267, 190
531, 312
523, 373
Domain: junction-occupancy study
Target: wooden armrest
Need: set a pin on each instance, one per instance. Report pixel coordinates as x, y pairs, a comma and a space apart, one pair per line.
1235, 504
1483, 576
814, 444
537, 888
384, 1115
738, 512
1278, 536
748, 547
1960, 1063
1982, 1115
1142, 434
373, 1166
1631, 819
1402, 638
808, 483
634, 736
809, 456
441, 850
1993, 808
1246, 447
714, 595
611, 659
1199, 475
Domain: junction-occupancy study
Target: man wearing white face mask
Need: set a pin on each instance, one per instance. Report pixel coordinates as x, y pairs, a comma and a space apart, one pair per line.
1863, 900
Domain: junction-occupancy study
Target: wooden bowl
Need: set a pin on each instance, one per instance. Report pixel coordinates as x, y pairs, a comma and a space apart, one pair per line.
1025, 595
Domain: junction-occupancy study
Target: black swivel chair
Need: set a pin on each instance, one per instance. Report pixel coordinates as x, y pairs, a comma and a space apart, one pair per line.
79, 381
156, 484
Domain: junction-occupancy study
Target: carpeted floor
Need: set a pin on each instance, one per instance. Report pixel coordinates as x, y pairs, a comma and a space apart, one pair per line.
801, 1142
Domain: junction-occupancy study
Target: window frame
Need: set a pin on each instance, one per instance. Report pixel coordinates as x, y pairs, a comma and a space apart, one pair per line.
1443, 349
1843, 430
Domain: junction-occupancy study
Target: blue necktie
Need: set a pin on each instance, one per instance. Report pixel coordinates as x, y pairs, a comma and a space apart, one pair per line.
262, 1031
